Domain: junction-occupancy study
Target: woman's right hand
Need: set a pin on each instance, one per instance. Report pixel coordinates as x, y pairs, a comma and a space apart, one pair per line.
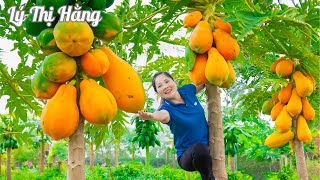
144, 115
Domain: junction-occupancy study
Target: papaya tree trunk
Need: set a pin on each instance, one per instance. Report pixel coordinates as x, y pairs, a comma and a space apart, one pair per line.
167, 156
174, 161
133, 153
9, 164
0, 164
147, 157
231, 163
116, 154
91, 155
299, 153
216, 142
41, 157
76, 154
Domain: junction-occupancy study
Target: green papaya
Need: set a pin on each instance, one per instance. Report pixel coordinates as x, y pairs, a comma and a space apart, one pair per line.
42, 87
189, 57
108, 28
46, 41
59, 67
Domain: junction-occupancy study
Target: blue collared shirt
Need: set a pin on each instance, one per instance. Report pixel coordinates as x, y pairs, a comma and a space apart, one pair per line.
187, 121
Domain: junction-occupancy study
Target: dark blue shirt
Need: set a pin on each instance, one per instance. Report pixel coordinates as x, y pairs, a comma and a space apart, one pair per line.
187, 121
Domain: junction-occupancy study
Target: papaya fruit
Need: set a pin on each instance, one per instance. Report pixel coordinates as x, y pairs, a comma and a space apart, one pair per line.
283, 121
274, 64
278, 139
307, 110
303, 131
275, 97
33, 28
225, 26
109, 3
291, 143
294, 105
97, 105
108, 28
46, 41
60, 116
73, 38
192, 19
312, 80
267, 106
42, 87
59, 67
94, 62
285, 93
97, 4
217, 70
197, 74
303, 85
124, 83
284, 68
227, 46
276, 110
189, 57
200, 40
231, 78
56, 4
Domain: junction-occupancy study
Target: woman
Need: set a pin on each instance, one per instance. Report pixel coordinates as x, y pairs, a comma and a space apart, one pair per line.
182, 111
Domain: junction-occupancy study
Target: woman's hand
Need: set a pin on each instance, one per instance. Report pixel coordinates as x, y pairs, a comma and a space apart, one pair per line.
144, 115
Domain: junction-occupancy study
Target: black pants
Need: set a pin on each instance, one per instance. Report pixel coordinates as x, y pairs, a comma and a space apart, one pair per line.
197, 158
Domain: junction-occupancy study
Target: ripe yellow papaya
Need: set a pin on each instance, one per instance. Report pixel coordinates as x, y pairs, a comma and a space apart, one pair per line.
94, 62
303, 85
73, 38
284, 120
97, 105
278, 139
276, 110
59, 67
42, 87
285, 94
284, 68
60, 116
124, 83
231, 78
312, 80
294, 106
200, 40
197, 74
226, 26
307, 110
303, 130
227, 46
217, 70
274, 64
192, 19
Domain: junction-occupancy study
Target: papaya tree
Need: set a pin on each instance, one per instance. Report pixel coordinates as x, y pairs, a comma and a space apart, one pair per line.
146, 132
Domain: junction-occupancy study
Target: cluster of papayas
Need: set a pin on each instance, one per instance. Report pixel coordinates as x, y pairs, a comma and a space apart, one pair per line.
72, 58
145, 133
8, 143
209, 51
291, 101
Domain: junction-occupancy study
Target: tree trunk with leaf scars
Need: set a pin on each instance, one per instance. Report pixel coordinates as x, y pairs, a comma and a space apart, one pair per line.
76, 160
216, 143
299, 153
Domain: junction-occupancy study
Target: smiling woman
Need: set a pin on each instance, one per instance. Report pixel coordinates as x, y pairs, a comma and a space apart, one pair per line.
183, 113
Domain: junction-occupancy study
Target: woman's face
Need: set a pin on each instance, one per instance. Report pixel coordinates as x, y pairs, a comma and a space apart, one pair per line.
165, 86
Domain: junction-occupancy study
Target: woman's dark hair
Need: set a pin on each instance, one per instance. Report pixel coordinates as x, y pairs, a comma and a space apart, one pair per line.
156, 75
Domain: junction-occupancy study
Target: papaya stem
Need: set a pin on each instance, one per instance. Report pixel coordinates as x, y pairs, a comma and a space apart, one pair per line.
72, 82
146, 18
